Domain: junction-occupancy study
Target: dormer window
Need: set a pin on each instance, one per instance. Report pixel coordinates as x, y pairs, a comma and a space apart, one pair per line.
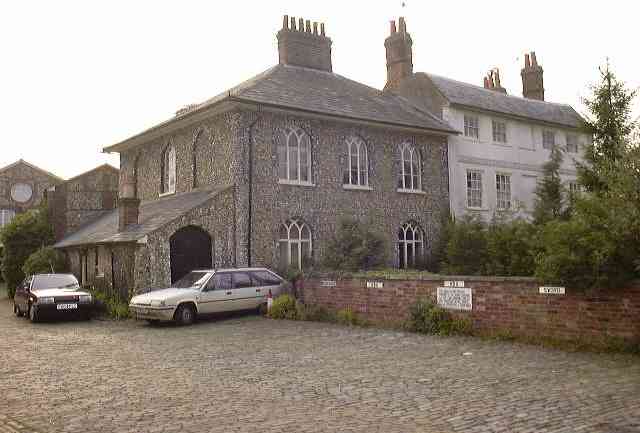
168, 171
471, 126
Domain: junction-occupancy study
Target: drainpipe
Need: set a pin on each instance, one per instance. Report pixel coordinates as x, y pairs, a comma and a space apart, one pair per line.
250, 216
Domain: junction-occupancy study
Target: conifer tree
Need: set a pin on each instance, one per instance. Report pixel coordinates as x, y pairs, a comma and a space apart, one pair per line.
549, 202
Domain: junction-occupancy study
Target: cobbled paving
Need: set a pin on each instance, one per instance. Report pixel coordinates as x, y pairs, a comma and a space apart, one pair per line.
250, 374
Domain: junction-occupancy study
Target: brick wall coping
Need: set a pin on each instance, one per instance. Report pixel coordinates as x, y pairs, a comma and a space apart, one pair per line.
426, 277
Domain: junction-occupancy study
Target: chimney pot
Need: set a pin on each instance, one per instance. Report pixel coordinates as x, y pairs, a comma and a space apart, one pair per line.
393, 26
322, 29
534, 61
308, 26
486, 82
403, 25
301, 24
293, 24
527, 63
399, 54
532, 78
285, 22
315, 28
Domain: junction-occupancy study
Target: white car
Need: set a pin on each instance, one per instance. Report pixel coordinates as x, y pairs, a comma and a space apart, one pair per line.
208, 291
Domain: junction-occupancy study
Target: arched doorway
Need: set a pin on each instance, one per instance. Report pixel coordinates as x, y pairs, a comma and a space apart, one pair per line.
190, 249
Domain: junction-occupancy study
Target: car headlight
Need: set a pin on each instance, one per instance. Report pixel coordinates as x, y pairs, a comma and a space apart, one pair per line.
158, 303
45, 300
85, 299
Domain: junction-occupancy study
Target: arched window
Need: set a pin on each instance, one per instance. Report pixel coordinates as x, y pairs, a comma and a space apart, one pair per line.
136, 172
168, 170
410, 245
357, 172
294, 243
410, 168
294, 156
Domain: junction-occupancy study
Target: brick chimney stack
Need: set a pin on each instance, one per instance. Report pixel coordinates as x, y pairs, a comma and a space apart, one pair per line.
532, 78
492, 81
304, 45
399, 54
128, 207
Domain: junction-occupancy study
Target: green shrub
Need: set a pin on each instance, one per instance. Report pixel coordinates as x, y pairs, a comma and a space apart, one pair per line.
24, 235
466, 250
427, 318
510, 248
111, 306
284, 307
45, 260
314, 313
347, 316
355, 246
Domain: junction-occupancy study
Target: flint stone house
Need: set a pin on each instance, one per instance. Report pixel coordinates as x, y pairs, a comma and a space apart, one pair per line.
496, 160
261, 175
22, 188
82, 199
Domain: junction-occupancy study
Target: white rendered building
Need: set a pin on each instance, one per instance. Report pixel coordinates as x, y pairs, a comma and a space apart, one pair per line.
497, 159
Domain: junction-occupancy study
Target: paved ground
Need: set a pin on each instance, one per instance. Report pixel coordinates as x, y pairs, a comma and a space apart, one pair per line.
249, 374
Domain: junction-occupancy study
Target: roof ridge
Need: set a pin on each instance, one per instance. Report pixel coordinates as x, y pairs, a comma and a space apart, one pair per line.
35, 167
493, 92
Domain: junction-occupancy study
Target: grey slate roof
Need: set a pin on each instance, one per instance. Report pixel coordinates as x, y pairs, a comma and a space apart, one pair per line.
154, 214
321, 92
480, 98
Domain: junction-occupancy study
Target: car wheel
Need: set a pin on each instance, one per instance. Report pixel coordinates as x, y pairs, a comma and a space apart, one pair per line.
185, 315
33, 314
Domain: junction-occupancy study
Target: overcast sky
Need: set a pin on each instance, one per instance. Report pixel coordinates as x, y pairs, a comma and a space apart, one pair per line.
76, 76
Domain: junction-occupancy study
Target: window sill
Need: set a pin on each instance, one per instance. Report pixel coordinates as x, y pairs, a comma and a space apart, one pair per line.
165, 194
477, 209
295, 183
530, 149
411, 191
500, 144
357, 187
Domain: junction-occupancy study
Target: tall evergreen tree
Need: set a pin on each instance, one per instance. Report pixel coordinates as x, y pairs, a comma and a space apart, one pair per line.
610, 125
549, 202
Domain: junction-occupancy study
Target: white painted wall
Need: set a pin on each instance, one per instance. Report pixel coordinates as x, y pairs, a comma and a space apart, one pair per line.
522, 157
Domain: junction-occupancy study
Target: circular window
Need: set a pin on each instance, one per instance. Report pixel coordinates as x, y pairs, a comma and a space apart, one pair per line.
21, 192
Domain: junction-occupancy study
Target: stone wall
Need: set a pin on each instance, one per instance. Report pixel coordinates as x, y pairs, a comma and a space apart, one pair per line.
21, 172
511, 305
221, 154
152, 256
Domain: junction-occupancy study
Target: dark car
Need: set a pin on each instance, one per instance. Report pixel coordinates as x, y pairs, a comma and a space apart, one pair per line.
51, 295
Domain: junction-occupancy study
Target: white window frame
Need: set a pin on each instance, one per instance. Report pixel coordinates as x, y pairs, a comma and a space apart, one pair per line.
358, 148
416, 244
471, 126
169, 174
572, 143
300, 137
6, 215
471, 200
410, 155
574, 189
499, 130
296, 230
503, 191
546, 134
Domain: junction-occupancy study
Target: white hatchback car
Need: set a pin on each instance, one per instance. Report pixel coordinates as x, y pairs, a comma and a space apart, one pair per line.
208, 291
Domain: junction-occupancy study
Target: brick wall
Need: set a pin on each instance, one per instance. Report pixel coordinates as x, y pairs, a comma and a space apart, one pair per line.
499, 304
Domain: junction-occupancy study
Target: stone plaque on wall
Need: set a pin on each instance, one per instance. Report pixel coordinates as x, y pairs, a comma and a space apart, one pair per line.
455, 298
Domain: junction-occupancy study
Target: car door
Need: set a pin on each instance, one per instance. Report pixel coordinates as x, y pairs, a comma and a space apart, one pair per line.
265, 281
244, 291
217, 294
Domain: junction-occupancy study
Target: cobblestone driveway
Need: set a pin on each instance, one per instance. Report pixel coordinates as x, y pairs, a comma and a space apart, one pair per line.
249, 374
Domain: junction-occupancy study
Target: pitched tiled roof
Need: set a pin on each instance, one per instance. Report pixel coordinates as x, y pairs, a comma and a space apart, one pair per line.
321, 92
25, 163
154, 214
483, 99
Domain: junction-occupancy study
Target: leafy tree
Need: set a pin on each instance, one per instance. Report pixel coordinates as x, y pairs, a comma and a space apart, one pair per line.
610, 125
355, 247
510, 248
466, 251
24, 235
549, 201
45, 260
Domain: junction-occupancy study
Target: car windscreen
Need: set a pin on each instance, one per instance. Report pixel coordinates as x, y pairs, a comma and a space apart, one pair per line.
192, 279
42, 282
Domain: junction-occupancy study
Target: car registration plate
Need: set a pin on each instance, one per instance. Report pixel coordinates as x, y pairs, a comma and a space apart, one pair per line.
67, 306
